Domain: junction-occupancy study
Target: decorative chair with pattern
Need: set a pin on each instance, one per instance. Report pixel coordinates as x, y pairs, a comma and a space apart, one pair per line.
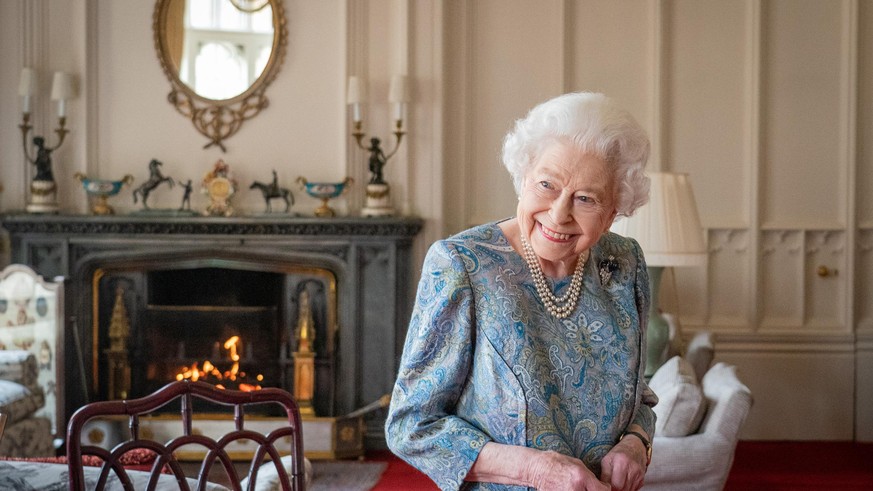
187, 394
31, 361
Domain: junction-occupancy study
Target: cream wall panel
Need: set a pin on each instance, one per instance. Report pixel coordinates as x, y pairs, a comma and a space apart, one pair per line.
515, 63
802, 127
782, 279
609, 51
800, 393
728, 278
864, 175
706, 109
691, 302
12, 49
456, 147
426, 159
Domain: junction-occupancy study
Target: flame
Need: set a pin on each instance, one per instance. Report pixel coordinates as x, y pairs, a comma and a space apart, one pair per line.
209, 370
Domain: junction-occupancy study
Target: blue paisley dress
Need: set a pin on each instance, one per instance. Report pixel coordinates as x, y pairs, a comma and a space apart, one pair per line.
485, 361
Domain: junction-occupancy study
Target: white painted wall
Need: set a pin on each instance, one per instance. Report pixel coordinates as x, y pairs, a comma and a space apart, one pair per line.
765, 103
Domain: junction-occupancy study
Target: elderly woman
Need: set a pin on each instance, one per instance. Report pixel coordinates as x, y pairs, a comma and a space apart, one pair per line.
523, 364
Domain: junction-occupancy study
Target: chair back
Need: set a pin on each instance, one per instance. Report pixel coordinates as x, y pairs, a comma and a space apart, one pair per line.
187, 393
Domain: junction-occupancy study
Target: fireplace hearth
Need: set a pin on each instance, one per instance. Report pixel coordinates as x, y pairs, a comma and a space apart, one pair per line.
178, 288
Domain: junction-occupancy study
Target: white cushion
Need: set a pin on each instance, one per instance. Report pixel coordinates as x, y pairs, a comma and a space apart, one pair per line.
268, 476
681, 404
700, 352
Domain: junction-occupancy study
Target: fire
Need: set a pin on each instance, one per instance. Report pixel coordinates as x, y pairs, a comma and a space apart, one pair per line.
207, 372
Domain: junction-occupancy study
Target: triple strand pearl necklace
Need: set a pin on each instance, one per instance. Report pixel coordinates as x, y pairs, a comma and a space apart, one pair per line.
562, 306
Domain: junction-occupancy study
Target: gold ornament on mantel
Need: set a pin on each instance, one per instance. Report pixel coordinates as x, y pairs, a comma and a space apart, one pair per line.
304, 357
117, 354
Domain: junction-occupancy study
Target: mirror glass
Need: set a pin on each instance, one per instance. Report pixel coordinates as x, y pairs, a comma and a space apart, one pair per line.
219, 48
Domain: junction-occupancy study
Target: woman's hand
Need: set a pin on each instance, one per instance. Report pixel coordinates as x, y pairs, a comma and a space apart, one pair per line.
543, 470
552, 471
624, 467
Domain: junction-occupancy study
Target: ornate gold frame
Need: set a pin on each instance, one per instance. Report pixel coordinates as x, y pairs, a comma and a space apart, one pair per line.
218, 120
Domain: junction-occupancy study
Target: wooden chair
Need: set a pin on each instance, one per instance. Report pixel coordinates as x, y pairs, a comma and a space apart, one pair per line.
187, 392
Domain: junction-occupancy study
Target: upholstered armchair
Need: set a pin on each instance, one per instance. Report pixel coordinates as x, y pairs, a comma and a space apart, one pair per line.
701, 409
31, 332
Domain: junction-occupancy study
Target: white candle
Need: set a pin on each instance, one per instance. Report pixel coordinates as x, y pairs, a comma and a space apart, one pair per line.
356, 112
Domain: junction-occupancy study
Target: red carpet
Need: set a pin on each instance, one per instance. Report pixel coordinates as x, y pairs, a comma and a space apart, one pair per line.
399, 475
771, 466
776, 466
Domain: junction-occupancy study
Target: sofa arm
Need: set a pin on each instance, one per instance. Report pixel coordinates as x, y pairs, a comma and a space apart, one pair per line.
693, 463
19, 366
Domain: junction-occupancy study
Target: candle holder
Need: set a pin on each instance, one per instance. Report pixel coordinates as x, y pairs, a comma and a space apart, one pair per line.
378, 192
43, 189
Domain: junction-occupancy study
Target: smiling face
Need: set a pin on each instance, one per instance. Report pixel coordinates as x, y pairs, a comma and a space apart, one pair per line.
567, 202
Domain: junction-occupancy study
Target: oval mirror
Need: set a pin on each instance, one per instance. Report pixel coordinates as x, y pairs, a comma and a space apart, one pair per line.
220, 56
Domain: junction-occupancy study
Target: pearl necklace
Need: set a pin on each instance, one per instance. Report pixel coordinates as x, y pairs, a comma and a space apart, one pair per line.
562, 306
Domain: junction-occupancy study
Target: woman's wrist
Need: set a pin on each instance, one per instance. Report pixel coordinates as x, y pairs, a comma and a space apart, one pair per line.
643, 439
504, 464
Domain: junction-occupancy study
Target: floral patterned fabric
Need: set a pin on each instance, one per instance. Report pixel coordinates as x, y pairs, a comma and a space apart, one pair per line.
31, 437
26, 435
18, 366
485, 361
18, 402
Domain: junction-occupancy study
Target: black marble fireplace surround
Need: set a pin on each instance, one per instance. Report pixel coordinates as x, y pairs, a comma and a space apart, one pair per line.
234, 272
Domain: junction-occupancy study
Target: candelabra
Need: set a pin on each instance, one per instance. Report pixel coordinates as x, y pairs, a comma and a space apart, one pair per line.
378, 201
43, 190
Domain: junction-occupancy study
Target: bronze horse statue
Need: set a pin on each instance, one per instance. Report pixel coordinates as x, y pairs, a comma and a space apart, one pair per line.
155, 180
272, 191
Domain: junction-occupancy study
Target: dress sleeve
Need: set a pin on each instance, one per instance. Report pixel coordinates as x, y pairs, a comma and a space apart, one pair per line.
645, 415
422, 427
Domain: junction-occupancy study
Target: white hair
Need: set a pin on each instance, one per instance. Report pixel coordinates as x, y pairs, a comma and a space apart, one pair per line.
596, 126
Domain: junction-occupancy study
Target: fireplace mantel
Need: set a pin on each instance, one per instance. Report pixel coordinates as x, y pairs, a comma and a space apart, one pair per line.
20, 224
369, 256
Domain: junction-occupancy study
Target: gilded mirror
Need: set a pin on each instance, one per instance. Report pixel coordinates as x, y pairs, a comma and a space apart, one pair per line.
220, 56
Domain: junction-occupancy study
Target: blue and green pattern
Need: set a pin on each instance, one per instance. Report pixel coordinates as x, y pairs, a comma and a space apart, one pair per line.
485, 361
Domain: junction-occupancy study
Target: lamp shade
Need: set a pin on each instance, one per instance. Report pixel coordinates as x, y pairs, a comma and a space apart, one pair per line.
356, 93
62, 86
668, 227
398, 91
27, 83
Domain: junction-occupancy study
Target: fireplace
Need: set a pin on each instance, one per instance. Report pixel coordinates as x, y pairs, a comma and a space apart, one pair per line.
153, 296
234, 322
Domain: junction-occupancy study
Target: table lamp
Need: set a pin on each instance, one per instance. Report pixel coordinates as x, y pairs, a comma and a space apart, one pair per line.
669, 232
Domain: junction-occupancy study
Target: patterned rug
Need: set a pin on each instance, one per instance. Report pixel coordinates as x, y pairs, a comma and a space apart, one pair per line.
345, 476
